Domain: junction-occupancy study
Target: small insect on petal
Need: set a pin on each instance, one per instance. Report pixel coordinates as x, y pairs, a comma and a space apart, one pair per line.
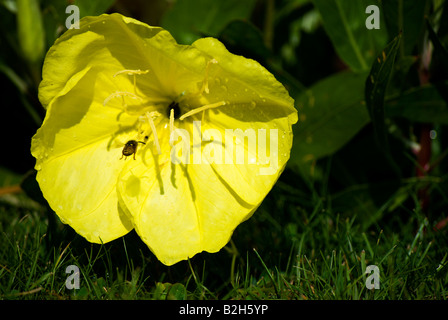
130, 148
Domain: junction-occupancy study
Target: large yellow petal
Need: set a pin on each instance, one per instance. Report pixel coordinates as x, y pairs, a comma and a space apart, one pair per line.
253, 92
180, 210
80, 187
257, 106
77, 151
115, 43
263, 147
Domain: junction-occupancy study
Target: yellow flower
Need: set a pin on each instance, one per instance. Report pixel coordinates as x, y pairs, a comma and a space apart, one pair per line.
180, 142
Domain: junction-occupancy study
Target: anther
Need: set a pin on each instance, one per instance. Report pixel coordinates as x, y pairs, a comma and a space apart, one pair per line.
131, 72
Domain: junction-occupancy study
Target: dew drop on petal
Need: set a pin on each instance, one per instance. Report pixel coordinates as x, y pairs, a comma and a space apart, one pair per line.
252, 105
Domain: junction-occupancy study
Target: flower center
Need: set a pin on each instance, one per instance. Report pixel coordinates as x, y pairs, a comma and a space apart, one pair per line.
176, 110
147, 113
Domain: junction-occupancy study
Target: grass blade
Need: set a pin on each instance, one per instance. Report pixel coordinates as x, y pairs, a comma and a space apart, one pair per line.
375, 88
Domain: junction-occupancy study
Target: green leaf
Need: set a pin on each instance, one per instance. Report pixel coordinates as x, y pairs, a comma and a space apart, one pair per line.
423, 104
8, 178
190, 20
330, 113
30, 30
344, 21
177, 292
93, 8
160, 290
406, 17
11, 5
30, 186
440, 52
375, 88
55, 16
243, 38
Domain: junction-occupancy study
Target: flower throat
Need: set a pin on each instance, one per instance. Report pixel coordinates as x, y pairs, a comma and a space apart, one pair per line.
176, 110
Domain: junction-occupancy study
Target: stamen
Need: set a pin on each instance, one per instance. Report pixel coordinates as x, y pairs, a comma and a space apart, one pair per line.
149, 116
204, 87
132, 73
206, 107
205, 82
121, 94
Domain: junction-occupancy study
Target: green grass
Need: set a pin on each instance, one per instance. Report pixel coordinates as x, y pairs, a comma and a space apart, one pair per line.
298, 245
